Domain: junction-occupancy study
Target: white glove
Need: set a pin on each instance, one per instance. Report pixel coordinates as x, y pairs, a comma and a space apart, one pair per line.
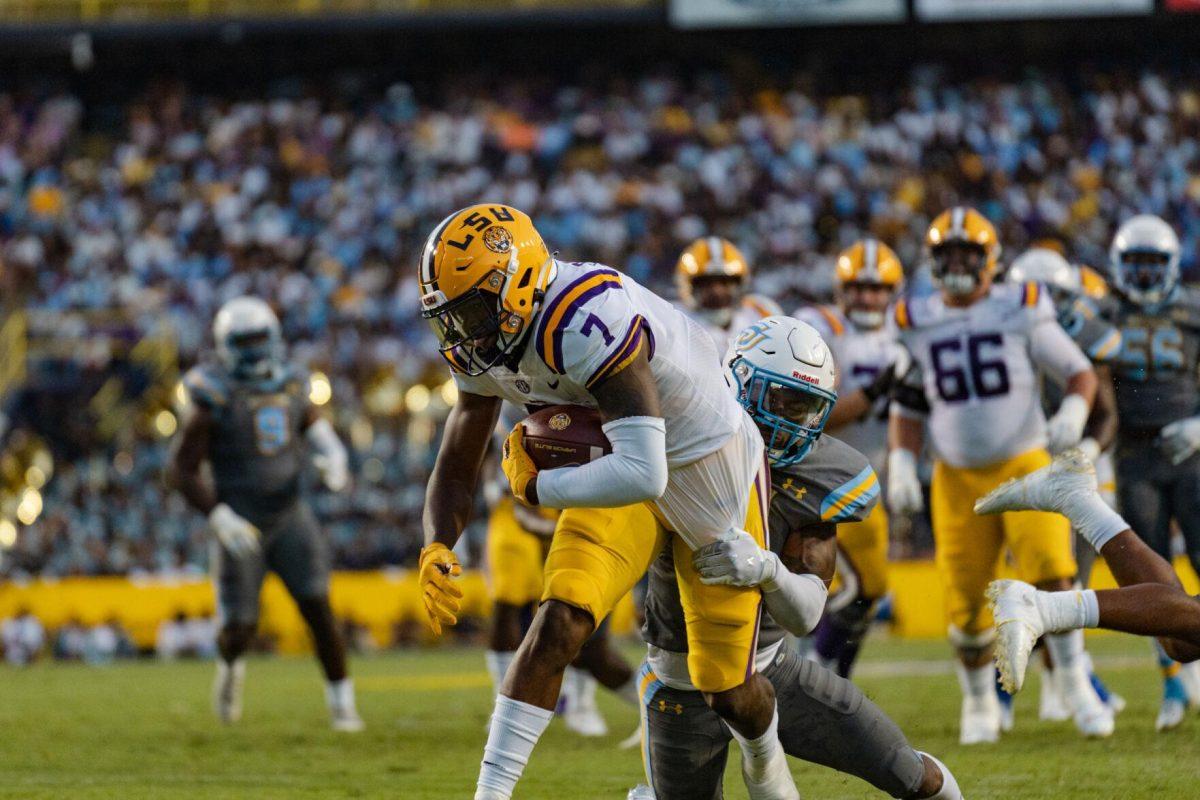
234, 531
904, 494
330, 456
1181, 439
737, 561
1065, 428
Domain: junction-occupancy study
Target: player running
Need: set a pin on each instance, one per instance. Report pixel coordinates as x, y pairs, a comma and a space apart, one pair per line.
518, 537
1151, 602
977, 350
785, 373
712, 277
519, 325
1158, 399
1101, 342
868, 275
250, 418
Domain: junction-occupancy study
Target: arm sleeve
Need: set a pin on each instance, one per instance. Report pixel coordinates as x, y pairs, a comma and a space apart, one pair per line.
908, 392
204, 388
635, 471
1052, 349
325, 441
796, 602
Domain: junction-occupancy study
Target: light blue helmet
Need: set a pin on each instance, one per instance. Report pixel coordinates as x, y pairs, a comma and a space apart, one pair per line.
785, 378
248, 338
1145, 260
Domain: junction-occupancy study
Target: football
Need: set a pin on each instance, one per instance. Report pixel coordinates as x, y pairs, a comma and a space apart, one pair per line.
564, 436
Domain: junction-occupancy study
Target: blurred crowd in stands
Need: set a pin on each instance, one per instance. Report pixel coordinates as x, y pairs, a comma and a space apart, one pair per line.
166, 206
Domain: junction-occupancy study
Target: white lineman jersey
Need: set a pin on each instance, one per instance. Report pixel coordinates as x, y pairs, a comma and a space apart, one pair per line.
752, 308
592, 323
978, 367
860, 355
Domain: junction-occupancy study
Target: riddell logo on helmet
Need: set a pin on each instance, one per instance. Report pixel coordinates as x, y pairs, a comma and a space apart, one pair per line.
806, 378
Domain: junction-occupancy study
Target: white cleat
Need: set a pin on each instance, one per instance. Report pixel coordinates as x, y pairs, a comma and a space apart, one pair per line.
1170, 714
640, 792
980, 720
227, 690
585, 720
1044, 489
1018, 626
775, 781
1092, 717
1052, 706
347, 720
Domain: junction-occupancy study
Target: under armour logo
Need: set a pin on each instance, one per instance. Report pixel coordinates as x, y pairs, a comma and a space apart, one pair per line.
664, 707
797, 491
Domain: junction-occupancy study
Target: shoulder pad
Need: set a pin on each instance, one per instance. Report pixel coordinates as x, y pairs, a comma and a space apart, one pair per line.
827, 321
834, 483
1185, 308
557, 316
763, 306
206, 386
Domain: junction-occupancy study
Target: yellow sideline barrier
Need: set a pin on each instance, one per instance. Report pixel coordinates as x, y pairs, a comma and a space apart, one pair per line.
389, 603
385, 602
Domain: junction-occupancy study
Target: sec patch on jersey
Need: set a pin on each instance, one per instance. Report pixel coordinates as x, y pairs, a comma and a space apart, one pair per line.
564, 436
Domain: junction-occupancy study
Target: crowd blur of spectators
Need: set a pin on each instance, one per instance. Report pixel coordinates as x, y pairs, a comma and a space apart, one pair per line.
320, 201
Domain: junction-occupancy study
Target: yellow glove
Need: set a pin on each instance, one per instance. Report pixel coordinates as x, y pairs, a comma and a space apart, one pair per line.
438, 566
517, 464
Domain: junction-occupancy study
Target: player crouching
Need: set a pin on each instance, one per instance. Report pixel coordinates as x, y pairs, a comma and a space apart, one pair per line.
785, 374
249, 416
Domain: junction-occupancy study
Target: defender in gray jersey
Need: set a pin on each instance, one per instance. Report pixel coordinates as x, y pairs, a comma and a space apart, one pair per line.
250, 418
818, 482
1158, 400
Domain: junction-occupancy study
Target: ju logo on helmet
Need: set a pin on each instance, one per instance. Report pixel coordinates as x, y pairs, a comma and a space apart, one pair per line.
483, 277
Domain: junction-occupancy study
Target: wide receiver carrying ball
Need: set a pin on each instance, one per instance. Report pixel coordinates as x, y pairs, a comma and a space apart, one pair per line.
564, 436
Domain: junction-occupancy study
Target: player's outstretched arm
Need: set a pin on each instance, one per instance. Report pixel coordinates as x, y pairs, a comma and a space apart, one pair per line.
450, 494
636, 470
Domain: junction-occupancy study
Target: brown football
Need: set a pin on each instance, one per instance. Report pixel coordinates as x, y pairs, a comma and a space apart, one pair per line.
564, 436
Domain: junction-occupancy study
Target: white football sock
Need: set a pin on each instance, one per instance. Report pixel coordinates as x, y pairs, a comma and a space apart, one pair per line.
515, 730
1068, 611
976, 681
1066, 651
339, 695
757, 753
570, 694
1092, 517
497, 666
628, 691
585, 696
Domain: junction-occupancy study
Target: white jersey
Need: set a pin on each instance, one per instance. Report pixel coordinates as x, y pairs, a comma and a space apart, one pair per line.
978, 367
750, 310
860, 356
592, 323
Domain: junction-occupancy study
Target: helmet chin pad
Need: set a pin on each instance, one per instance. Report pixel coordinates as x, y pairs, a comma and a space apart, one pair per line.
959, 284
870, 320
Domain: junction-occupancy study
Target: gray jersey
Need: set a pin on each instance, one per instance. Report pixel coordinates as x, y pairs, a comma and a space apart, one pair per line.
1155, 372
833, 484
257, 449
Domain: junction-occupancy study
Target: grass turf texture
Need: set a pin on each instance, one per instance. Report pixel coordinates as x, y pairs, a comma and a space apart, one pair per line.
145, 730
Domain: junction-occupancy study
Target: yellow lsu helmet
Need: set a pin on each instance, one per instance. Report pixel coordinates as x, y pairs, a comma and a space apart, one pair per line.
709, 257
1093, 283
966, 226
868, 261
483, 275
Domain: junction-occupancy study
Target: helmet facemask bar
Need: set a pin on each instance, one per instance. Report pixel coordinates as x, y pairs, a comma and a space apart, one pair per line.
252, 354
790, 413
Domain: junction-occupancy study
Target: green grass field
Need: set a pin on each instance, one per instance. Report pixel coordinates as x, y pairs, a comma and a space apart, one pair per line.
145, 731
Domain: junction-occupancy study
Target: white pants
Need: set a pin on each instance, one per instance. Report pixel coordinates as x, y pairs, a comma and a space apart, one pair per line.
708, 499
